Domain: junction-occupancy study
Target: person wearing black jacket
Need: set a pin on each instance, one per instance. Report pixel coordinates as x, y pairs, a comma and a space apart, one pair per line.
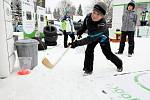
97, 33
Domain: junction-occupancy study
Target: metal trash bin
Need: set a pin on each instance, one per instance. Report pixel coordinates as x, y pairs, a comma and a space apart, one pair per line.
28, 48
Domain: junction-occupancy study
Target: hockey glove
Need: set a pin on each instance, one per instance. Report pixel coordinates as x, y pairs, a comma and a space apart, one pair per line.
79, 36
73, 44
103, 39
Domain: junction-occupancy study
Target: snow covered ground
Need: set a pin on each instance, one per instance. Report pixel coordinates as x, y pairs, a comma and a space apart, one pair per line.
66, 81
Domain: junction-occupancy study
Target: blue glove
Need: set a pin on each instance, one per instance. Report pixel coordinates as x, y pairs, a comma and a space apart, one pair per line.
103, 39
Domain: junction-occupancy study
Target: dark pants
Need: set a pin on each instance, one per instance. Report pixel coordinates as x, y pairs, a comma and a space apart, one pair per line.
89, 55
66, 38
143, 23
130, 35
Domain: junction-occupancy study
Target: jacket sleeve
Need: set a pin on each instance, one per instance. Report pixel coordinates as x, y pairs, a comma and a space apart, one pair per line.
83, 27
90, 38
135, 18
123, 18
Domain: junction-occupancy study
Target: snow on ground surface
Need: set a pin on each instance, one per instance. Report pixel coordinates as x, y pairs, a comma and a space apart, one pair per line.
66, 81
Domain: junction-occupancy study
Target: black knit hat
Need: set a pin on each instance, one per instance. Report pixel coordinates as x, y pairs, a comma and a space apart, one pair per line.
101, 7
131, 4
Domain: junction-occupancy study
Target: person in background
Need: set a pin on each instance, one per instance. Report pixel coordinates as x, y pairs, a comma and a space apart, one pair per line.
67, 28
98, 32
148, 17
129, 20
46, 19
144, 18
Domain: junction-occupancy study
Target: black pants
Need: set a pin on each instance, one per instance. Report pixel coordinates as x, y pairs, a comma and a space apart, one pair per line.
66, 38
130, 35
143, 23
89, 55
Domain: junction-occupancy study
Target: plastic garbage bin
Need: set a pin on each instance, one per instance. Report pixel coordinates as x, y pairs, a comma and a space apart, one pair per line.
25, 62
28, 48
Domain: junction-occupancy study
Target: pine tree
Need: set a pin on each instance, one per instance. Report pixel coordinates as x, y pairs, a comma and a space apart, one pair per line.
46, 10
55, 13
66, 6
49, 11
58, 13
79, 12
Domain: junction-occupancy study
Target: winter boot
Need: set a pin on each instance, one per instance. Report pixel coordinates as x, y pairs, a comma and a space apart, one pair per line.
86, 73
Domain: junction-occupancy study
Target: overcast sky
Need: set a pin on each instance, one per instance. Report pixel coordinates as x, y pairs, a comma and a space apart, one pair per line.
53, 3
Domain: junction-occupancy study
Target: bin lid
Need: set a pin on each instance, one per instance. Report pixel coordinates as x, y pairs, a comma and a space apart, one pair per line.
26, 42
118, 32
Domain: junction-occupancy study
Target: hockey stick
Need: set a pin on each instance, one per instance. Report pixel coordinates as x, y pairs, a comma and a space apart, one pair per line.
45, 61
49, 65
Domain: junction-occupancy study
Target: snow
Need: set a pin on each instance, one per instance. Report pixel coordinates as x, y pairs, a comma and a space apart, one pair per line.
66, 81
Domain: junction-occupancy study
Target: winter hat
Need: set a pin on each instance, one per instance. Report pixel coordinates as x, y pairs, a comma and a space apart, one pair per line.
131, 4
66, 16
101, 7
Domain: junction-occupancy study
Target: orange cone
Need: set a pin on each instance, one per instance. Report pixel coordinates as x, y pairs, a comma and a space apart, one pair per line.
23, 72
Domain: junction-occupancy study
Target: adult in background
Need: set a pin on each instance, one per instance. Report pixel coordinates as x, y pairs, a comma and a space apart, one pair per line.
68, 29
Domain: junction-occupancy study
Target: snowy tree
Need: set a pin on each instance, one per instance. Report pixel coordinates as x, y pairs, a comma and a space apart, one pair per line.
109, 10
16, 13
46, 10
56, 13
66, 6
89, 8
16, 8
41, 3
79, 12
49, 11
72, 10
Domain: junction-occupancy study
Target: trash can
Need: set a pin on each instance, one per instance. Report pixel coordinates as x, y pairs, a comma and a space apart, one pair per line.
51, 35
28, 48
25, 62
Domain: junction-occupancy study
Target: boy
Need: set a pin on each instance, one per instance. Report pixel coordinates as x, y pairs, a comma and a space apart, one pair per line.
97, 33
129, 20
